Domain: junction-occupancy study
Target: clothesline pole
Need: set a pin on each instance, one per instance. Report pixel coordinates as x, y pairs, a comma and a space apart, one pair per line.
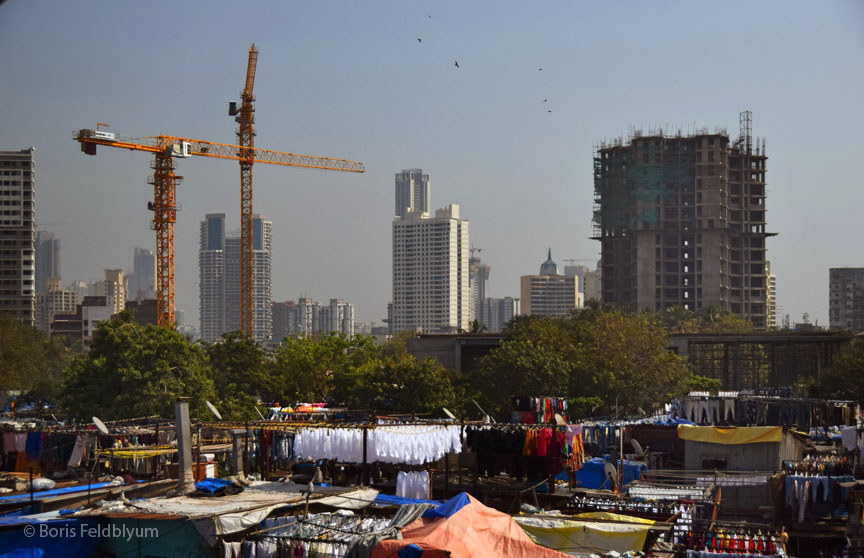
246, 451
363, 470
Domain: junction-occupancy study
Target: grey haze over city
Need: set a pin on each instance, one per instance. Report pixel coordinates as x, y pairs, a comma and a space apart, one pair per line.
508, 134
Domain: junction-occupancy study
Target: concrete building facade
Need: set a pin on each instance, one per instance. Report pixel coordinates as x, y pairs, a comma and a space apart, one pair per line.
431, 292
549, 293
307, 317
80, 325
497, 313
52, 302
18, 234
681, 221
846, 298
771, 320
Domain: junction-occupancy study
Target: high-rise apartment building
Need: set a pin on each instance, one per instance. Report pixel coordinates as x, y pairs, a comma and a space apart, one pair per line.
681, 221
846, 298
338, 316
549, 293
219, 278
430, 272
307, 317
478, 281
52, 302
498, 312
412, 192
47, 260
17, 234
113, 288
142, 280
211, 277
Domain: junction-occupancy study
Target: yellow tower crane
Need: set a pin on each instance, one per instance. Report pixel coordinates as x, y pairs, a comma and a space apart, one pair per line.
245, 117
164, 204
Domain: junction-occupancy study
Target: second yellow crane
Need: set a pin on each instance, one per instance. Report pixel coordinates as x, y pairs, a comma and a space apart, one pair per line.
164, 204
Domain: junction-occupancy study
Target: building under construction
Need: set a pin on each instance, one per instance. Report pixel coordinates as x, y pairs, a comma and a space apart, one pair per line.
681, 221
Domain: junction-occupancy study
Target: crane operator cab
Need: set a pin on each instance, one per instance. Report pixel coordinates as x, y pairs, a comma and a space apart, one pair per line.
182, 149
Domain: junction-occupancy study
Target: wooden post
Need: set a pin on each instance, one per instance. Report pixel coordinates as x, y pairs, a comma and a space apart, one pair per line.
197, 475
363, 471
246, 451
446, 477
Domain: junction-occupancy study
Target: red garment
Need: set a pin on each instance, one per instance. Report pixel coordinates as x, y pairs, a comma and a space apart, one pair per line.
543, 442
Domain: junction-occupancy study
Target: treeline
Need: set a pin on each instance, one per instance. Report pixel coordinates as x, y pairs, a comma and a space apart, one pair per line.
603, 360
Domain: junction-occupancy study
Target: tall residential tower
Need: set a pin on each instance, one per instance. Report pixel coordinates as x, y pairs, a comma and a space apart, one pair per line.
17, 234
430, 272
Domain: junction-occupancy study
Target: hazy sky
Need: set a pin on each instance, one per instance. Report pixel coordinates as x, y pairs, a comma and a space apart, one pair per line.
350, 80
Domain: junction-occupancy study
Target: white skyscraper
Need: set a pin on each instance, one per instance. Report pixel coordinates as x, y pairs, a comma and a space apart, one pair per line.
412, 192
430, 272
219, 278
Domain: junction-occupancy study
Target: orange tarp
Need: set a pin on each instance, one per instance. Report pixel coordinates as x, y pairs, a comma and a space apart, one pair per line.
473, 531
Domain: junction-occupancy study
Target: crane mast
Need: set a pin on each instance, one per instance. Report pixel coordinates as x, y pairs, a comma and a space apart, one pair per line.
246, 138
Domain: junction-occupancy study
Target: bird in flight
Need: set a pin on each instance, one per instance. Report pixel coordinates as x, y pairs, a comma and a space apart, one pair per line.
539, 69
456, 63
544, 100
427, 15
548, 111
419, 40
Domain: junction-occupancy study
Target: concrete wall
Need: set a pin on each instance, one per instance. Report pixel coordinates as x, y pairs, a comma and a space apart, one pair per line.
767, 456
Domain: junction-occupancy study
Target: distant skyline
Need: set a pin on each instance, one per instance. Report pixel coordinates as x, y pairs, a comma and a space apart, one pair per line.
352, 81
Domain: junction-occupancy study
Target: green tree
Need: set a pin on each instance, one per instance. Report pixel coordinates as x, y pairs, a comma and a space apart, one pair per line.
315, 368
704, 383
30, 361
402, 384
845, 378
239, 377
625, 358
134, 371
595, 357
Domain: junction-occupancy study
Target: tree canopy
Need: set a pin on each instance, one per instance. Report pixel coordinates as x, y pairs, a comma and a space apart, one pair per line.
136, 371
845, 378
239, 378
607, 359
30, 361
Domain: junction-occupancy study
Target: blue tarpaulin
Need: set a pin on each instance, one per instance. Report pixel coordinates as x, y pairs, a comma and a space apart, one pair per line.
591, 474
54, 492
211, 485
449, 507
410, 551
390, 500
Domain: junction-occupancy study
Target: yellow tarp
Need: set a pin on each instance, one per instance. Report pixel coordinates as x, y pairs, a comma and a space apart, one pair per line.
585, 537
613, 517
730, 436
